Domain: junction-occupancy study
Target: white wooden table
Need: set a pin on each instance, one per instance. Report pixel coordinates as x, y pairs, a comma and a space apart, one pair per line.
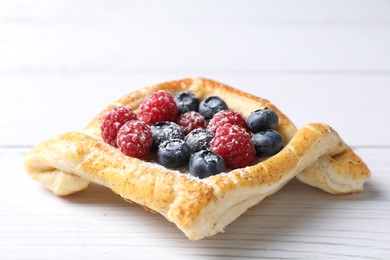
61, 62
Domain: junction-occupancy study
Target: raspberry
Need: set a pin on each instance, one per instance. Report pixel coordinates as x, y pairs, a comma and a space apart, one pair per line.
226, 116
234, 145
113, 120
158, 106
190, 121
135, 139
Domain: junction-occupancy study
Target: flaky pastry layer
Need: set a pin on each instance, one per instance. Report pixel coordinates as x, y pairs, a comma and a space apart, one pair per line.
67, 163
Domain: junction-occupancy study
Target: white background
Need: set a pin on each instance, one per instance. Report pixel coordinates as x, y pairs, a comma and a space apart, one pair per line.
61, 62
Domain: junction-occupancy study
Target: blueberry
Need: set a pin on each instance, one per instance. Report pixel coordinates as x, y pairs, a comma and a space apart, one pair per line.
211, 105
173, 153
262, 119
199, 139
163, 131
186, 101
204, 164
267, 142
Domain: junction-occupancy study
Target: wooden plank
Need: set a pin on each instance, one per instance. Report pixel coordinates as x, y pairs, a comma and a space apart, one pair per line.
139, 36
298, 222
38, 48
195, 11
36, 107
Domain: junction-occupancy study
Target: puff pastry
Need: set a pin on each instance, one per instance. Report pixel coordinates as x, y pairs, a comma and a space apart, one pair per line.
67, 163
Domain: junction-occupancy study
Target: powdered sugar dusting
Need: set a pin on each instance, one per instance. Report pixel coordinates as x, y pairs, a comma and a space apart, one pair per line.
199, 139
163, 131
190, 121
158, 106
113, 120
135, 139
226, 117
234, 145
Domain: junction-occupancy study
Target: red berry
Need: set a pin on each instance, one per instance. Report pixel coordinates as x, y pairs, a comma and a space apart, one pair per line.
190, 121
226, 116
234, 145
135, 139
113, 120
158, 106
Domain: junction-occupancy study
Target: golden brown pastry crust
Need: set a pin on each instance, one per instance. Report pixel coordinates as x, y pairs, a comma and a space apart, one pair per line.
65, 164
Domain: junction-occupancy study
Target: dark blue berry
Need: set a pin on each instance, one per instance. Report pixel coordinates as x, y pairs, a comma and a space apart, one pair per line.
204, 164
186, 101
199, 139
211, 105
267, 143
163, 131
262, 119
173, 153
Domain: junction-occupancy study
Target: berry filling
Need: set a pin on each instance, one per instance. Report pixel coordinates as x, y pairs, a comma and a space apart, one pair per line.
207, 142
